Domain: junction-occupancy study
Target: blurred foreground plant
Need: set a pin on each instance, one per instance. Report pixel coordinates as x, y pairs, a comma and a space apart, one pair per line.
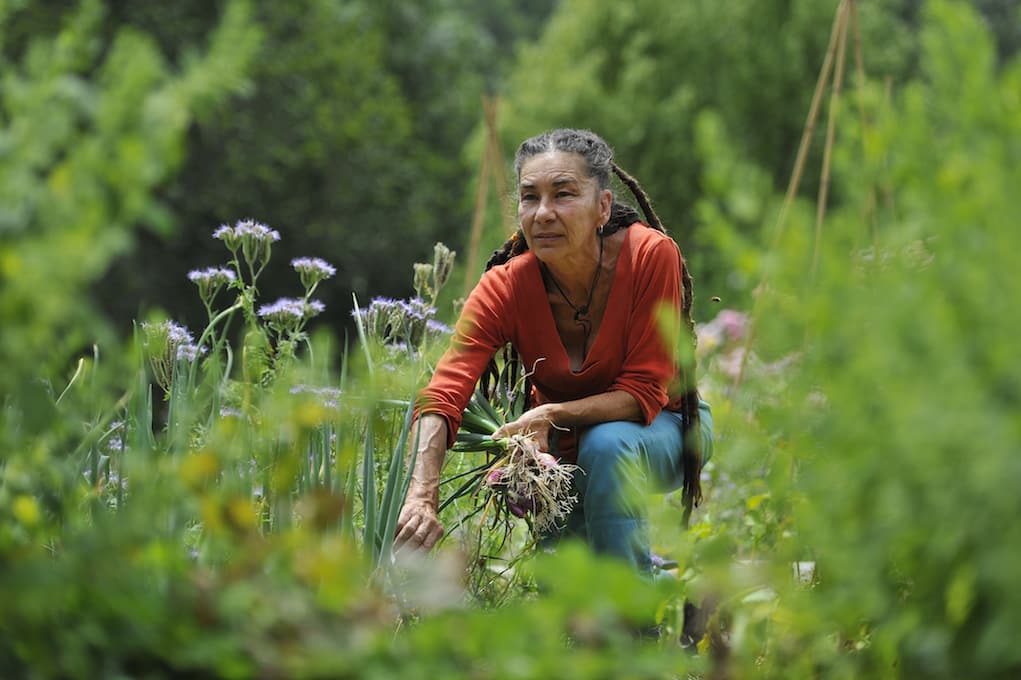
883, 453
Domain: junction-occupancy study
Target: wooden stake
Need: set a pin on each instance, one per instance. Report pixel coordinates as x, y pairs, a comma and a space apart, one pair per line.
481, 191
859, 67
806, 135
792, 187
831, 125
499, 172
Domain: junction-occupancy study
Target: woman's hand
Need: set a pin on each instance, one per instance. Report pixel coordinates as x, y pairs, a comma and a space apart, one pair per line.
535, 423
418, 527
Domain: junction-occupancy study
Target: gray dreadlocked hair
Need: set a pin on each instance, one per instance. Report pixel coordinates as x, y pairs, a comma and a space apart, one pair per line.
599, 163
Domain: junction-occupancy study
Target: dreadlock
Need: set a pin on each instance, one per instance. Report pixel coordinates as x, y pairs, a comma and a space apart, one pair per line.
598, 157
691, 457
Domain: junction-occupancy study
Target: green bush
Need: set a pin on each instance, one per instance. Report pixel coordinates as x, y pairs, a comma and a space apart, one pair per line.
873, 433
890, 456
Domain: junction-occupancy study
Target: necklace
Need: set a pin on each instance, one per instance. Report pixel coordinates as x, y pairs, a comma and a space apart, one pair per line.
581, 313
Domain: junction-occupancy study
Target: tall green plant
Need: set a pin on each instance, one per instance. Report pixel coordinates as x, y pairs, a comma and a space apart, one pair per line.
92, 128
892, 453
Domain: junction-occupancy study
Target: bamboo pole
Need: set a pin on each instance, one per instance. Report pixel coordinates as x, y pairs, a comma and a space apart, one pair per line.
499, 174
859, 68
831, 125
809, 130
792, 187
481, 192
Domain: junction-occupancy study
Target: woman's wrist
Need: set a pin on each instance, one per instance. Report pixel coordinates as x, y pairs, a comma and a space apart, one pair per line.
423, 492
555, 414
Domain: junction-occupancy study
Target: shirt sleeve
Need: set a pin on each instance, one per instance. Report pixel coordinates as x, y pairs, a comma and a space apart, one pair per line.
649, 366
480, 331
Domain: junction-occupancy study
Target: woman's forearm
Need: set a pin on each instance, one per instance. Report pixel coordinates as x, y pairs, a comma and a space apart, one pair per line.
598, 408
431, 432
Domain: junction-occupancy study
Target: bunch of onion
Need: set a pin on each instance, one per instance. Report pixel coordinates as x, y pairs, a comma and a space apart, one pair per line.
532, 484
518, 476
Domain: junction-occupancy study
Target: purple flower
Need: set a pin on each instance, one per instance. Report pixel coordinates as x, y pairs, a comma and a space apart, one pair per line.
217, 276
224, 233
210, 280
114, 437
189, 352
283, 311
399, 321
163, 342
256, 231
290, 312
159, 335
419, 309
252, 237
735, 324
312, 270
378, 319
327, 396
437, 328
178, 335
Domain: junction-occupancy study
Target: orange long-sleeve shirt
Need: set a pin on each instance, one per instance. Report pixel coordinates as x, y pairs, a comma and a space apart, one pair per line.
509, 304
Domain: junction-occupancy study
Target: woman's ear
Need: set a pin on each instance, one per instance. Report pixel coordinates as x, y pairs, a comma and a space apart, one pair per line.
605, 204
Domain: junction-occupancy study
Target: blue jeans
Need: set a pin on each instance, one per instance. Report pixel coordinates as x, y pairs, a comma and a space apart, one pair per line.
621, 463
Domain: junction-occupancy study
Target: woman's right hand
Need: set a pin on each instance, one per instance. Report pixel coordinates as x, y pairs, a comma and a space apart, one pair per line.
418, 527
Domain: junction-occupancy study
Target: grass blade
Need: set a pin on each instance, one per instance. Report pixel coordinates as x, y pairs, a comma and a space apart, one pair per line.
369, 489
361, 334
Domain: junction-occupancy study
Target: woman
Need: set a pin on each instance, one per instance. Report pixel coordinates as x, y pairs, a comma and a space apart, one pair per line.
577, 291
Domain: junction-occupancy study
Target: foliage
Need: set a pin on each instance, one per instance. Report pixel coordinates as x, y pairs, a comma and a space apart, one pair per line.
872, 434
348, 137
641, 74
887, 458
90, 130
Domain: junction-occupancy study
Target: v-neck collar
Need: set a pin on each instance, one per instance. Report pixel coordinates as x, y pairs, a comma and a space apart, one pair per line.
548, 326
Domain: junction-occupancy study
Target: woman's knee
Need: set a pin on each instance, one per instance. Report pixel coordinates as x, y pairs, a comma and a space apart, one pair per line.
607, 446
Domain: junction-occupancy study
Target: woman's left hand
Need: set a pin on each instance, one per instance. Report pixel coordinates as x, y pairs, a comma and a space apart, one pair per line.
535, 423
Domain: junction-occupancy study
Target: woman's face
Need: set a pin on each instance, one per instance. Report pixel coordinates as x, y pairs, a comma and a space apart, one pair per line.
560, 206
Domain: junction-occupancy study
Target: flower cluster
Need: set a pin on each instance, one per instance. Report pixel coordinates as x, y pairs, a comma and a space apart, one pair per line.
327, 396
430, 278
245, 231
312, 270
254, 240
437, 329
211, 280
113, 440
406, 322
290, 313
167, 343
189, 353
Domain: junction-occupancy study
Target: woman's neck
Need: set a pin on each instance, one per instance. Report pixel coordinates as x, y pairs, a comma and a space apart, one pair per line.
574, 273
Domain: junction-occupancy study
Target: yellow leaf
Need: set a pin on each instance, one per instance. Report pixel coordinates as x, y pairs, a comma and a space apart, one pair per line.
240, 514
60, 181
10, 264
199, 467
756, 501
26, 510
210, 511
961, 594
311, 415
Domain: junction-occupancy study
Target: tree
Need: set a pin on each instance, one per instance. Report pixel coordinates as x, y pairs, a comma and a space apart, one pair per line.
643, 73
92, 127
348, 141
